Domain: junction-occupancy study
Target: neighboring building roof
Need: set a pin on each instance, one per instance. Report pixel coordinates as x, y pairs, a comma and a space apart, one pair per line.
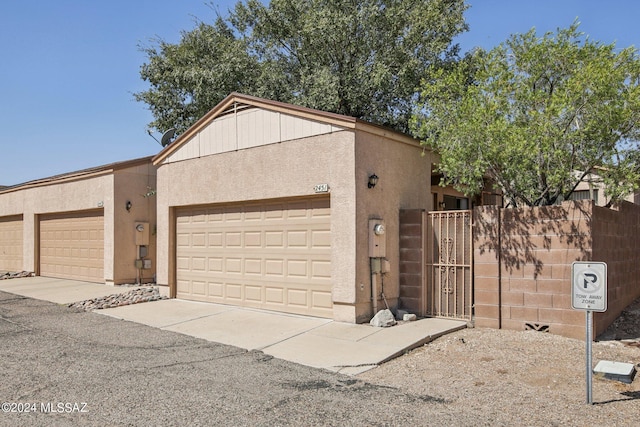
81, 174
236, 102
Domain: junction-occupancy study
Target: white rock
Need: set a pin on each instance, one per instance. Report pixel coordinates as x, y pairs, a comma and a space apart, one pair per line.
400, 314
409, 317
383, 319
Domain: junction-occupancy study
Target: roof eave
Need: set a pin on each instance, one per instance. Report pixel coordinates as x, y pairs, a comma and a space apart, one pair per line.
76, 175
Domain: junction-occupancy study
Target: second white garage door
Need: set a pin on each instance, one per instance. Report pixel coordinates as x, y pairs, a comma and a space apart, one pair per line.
273, 255
72, 246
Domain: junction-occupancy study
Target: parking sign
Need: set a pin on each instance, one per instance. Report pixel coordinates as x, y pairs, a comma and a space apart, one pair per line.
589, 286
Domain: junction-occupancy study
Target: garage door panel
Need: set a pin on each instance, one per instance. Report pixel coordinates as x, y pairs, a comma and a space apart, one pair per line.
297, 268
297, 297
198, 264
253, 214
72, 246
233, 291
198, 240
321, 270
216, 265
233, 239
274, 239
216, 239
231, 217
253, 293
199, 288
274, 295
253, 239
275, 212
253, 266
273, 255
182, 264
322, 299
274, 267
216, 289
320, 239
297, 238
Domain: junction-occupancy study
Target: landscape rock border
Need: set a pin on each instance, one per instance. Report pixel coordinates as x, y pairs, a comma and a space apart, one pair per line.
16, 275
135, 296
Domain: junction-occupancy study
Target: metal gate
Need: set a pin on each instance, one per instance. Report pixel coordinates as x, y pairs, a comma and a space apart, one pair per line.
449, 262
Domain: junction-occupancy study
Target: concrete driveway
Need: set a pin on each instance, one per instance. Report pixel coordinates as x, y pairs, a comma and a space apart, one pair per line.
66, 367
319, 343
60, 291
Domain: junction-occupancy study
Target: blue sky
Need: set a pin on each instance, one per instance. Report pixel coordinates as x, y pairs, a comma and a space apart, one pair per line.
69, 68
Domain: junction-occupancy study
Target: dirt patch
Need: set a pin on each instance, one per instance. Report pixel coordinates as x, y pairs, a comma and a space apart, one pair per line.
626, 327
500, 377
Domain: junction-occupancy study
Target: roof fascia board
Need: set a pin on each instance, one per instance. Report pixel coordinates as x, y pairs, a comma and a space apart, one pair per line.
387, 133
78, 175
53, 181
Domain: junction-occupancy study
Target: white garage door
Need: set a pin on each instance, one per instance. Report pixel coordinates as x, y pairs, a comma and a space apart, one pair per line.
72, 246
272, 255
11, 243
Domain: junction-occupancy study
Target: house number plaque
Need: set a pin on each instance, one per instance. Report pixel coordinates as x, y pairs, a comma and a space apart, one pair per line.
321, 188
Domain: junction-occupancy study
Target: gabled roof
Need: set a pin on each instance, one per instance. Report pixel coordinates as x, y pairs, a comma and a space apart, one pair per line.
81, 174
236, 101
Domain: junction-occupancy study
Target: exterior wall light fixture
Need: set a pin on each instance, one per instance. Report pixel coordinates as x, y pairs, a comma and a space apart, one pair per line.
128, 205
373, 180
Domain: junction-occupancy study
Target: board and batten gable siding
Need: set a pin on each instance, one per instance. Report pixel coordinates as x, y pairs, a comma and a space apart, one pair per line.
248, 128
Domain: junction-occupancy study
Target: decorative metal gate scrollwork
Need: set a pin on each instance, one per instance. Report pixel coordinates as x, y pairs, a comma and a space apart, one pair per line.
449, 264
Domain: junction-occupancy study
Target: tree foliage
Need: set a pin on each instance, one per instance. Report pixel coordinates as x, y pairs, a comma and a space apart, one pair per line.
536, 116
362, 58
189, 78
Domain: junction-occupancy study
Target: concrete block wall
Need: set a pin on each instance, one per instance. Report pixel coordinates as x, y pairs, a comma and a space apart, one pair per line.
523, 257
523, 263
616, 241
412, 260
486, 268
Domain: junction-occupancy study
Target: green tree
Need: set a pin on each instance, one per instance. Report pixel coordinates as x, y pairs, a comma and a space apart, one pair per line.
188, 79
362, 58
536, 116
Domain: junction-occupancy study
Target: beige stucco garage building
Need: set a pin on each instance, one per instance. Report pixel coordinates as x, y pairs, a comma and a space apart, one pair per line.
82, 225
268, 205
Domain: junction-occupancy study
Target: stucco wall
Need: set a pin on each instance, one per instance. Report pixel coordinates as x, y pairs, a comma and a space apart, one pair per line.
107, 190
343, 160
134, 185
404, 183
76, 195
287, 169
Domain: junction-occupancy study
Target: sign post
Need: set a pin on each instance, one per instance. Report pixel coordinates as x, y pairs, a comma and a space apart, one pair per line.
589, 292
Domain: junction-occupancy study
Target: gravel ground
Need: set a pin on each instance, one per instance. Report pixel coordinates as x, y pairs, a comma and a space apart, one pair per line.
116, 373
130, 374
499, 377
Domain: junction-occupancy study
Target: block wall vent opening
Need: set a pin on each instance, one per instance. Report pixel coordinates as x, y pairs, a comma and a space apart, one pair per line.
538, 327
